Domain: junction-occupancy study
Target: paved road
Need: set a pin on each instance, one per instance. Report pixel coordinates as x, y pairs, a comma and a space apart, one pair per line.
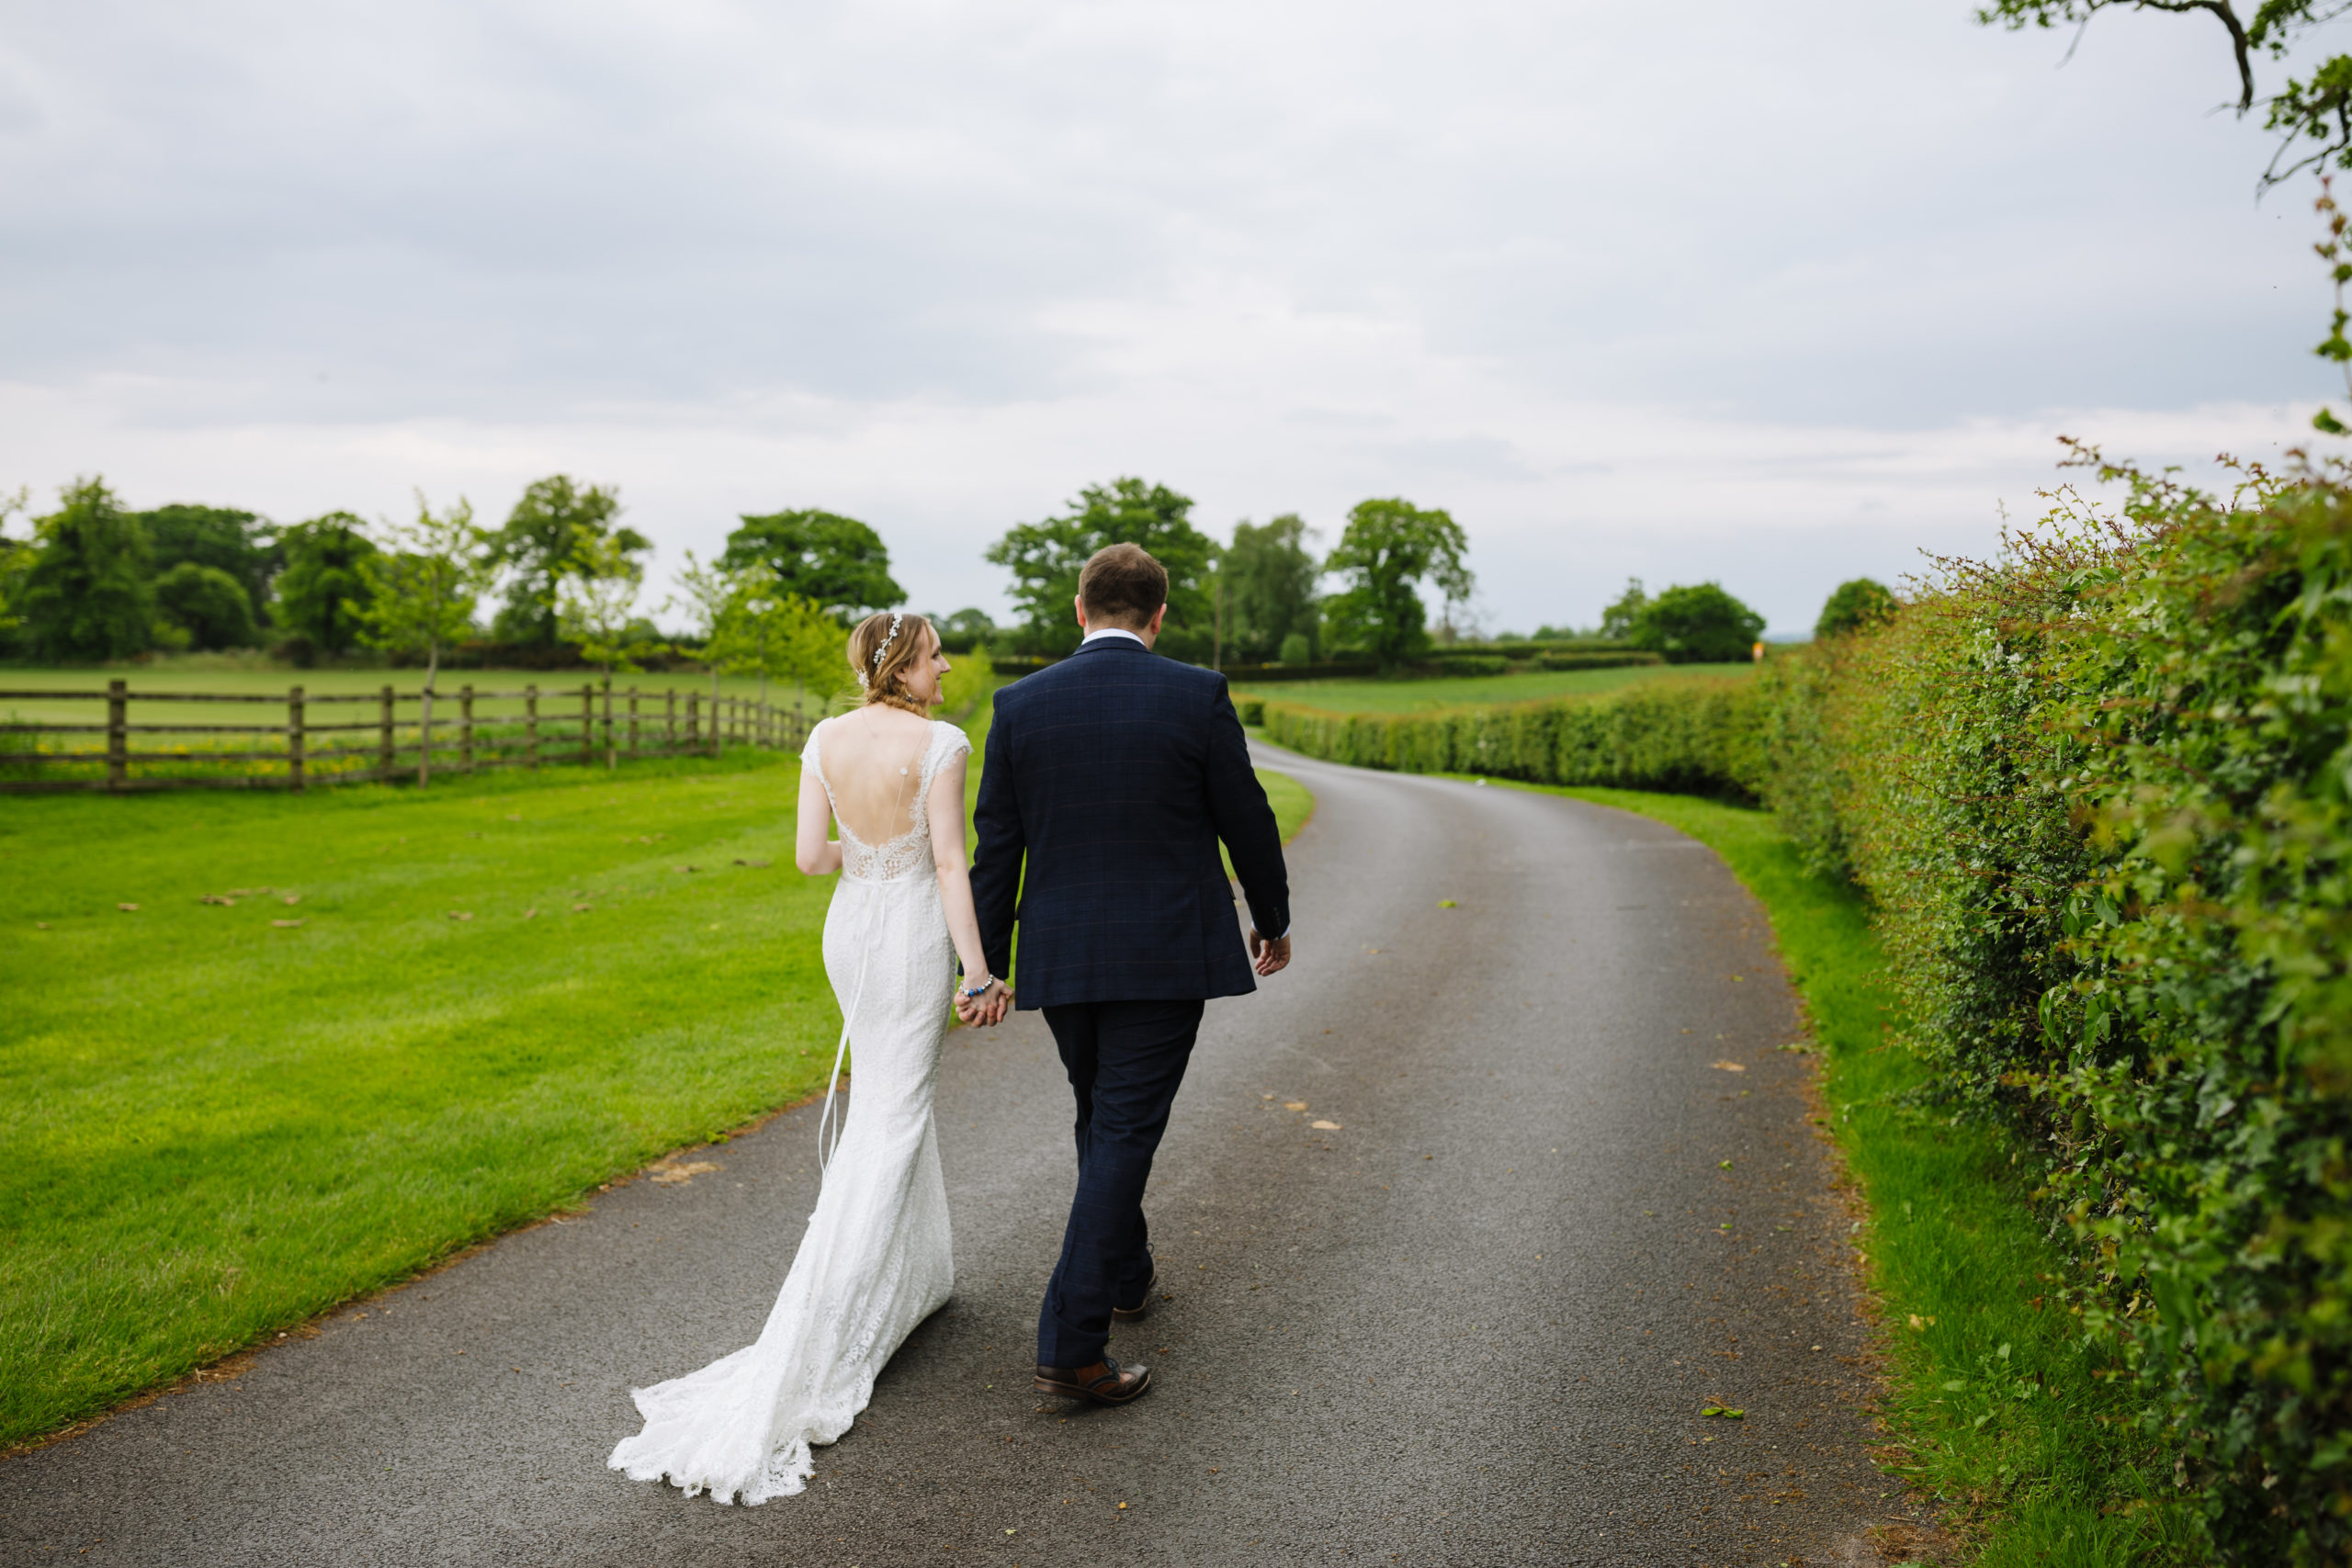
1472, 1323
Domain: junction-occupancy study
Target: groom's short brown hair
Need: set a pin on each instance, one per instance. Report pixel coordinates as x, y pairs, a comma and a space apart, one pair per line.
1123, 586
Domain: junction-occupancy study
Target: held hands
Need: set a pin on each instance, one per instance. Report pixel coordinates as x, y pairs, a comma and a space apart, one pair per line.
986, 1008
1268, 955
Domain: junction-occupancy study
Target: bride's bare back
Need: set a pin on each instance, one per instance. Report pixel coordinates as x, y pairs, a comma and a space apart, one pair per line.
873, 763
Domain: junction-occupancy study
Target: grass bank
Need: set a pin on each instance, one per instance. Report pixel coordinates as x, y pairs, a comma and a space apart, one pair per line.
2004, 1415
1422, 696
481, 1000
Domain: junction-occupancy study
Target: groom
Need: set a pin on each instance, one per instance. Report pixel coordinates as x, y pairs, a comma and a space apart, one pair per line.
1115, 772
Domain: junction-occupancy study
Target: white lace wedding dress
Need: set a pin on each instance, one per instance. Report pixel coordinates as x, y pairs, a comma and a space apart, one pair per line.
875, 1259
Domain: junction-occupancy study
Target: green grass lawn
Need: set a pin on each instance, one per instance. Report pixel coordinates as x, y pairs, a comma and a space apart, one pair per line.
219, 1125
2008, 1420
1414, 696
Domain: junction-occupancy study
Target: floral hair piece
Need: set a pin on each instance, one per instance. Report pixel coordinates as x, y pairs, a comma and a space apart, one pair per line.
898, 618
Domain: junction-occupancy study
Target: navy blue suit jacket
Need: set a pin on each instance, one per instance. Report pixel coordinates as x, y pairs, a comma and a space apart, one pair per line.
1113, 775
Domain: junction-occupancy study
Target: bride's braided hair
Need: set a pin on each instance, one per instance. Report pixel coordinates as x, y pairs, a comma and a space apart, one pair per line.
901, 640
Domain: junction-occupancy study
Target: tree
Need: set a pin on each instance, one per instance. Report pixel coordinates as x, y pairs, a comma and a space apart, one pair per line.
770, 633
16, 560
1045, 557
207, 604
596, 604
2316, 109
1855, 606
551, 530
1618, 621
836, 561
86, 596
1269, 576
1700, 624
234, 542
1388, 547
708, 592
421, 593
323, 575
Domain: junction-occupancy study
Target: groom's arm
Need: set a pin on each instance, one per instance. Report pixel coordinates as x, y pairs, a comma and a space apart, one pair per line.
996, 859
1245, 822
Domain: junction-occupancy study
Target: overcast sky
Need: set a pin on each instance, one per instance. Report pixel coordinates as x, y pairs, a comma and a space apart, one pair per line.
1776, 295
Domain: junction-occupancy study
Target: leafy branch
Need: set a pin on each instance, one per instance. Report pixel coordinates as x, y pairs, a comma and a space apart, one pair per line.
2318, 109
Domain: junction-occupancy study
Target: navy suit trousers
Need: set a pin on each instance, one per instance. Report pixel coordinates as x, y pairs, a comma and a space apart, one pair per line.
1125, 1060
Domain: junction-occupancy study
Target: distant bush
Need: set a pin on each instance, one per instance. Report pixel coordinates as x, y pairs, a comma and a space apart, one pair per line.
209, 604
1855, 606
1252, 709
1533, 648
1612, 660
1697, 736
1699, 624
1469, 665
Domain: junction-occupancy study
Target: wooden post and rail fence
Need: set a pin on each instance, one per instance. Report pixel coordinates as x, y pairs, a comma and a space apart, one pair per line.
317, 745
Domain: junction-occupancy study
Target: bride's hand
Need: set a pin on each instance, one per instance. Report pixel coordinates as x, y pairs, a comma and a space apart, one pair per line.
990, 1007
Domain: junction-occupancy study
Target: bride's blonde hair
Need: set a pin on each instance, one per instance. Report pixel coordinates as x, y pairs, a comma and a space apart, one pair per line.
884, 678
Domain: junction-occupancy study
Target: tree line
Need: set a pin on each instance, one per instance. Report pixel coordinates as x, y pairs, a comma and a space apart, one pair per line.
99, 582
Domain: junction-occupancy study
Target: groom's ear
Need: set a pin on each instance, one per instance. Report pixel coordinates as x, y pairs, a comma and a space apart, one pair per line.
1078, 603
1157, 616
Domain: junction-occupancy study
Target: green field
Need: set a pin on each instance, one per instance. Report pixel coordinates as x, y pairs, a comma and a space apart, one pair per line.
2008, 1423
219, 1125
1414, 696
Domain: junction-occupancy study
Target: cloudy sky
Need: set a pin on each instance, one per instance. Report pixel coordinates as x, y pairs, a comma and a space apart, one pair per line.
1775, 295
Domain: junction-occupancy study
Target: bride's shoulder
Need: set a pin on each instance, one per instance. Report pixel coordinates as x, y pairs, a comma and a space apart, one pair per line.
948, 736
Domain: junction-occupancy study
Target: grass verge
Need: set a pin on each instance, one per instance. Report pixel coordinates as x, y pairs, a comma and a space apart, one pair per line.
224, 1118
2001, 1411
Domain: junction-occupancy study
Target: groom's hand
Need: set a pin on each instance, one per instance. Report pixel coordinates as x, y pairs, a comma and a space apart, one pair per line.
1271, 955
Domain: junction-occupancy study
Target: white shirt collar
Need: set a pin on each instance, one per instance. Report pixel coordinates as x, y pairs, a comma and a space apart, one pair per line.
1112, 631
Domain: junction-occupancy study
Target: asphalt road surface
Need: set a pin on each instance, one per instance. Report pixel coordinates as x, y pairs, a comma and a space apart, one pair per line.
1462, 1220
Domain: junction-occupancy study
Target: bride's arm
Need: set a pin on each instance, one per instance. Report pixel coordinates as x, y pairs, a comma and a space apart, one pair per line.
813, 850
946, 807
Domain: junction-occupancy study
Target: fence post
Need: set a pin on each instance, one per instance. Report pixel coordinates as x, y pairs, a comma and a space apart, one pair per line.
611, 759
466, 727
294, 780
531, 727
694, 716
588, 723
632, 721
118, 734
670, 721
424, 738
384, 735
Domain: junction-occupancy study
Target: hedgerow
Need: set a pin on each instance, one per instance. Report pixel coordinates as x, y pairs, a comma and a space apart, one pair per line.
1698, 737
2097, 791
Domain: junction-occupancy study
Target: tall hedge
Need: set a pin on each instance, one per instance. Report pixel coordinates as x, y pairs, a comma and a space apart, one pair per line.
1696, 735
2097, 791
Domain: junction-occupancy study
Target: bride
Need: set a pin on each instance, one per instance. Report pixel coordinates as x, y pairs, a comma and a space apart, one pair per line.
875, 1259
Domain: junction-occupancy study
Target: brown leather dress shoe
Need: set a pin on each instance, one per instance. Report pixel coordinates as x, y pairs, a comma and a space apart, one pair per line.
1105, 1382
1142, 1309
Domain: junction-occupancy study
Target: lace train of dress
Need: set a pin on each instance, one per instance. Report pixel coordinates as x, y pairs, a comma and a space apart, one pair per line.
876, 1259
